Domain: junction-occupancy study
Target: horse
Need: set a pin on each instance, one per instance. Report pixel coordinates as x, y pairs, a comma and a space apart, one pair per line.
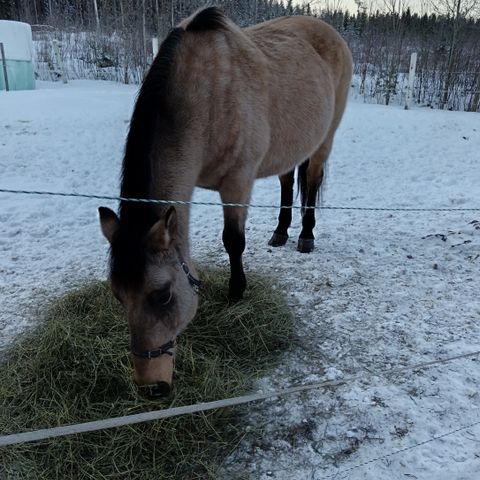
219, 107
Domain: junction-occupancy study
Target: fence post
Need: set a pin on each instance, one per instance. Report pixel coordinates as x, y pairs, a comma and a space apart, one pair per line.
411, 80
154, 46
4, 61
58, 60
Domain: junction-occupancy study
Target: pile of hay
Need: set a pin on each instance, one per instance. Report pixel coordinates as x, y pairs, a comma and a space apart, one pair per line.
75, 367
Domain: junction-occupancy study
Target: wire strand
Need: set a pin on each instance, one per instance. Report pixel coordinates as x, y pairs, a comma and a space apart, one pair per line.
340, 473
402, 450
242, 205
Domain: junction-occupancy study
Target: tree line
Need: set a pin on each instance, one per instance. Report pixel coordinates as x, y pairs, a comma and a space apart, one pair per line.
447, 41
111, 39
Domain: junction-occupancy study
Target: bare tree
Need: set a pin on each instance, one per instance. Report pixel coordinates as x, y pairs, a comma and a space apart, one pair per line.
458, 10
395, 8
97, 18
333, 5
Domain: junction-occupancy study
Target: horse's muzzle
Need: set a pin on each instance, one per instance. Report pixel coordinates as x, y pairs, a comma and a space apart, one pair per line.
154, 376
157, 390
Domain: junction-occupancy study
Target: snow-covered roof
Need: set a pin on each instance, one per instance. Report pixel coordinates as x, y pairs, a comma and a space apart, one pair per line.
17, 40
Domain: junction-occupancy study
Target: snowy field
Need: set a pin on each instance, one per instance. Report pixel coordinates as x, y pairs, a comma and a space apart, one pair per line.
381, 290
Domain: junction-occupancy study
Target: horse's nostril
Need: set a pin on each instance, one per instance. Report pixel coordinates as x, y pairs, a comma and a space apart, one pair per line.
157, 390
161, 389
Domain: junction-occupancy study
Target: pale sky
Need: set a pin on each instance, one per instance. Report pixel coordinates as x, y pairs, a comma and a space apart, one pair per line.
415, 5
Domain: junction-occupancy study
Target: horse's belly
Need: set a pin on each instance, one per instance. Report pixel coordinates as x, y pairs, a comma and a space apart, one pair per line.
209, 181
280, 161
299, 122
287, 151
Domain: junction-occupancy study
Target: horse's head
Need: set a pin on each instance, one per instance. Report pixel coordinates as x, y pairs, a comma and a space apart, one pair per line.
150, 277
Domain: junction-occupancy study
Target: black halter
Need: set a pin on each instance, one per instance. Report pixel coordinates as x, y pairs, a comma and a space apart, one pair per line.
166, 347
194, 282
157, 352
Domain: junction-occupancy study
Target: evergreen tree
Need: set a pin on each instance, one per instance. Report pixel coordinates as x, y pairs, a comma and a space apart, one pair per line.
6, 9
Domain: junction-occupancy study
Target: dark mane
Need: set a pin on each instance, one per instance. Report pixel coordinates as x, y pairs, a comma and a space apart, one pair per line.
211, 18
153, 116
152, 102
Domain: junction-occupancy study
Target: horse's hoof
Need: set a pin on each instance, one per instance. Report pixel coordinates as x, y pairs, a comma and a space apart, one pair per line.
234, 298
305, 245
235, 293
278, 240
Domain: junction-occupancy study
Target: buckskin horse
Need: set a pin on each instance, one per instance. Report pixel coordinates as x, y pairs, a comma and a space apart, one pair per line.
219, 107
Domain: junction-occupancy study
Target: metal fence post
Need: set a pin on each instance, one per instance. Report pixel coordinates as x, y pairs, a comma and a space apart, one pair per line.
4, 62
411, 80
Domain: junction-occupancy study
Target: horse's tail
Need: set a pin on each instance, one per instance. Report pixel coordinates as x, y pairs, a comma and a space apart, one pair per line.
302, 183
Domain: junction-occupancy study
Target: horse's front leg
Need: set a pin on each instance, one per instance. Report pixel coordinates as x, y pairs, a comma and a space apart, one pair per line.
234, 234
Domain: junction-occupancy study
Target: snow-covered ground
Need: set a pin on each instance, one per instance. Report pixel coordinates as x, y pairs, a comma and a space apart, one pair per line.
382, 289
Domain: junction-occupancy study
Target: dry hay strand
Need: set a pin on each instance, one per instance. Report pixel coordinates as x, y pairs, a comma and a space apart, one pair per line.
75, 367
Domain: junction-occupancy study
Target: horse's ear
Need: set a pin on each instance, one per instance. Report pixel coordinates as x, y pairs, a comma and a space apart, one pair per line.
163, 232
109, 222
171, 221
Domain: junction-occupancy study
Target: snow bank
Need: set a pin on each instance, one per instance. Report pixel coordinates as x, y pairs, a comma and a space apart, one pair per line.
381, 289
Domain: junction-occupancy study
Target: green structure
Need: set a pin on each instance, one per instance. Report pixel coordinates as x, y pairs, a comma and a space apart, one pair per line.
18, 47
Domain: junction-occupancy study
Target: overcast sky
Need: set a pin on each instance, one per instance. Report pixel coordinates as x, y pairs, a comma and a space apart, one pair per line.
415, 5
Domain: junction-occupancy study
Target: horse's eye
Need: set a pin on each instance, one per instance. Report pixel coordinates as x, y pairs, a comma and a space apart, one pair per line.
160, 298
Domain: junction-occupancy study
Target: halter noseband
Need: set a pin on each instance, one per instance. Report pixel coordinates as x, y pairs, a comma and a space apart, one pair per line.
166, 347
157, 352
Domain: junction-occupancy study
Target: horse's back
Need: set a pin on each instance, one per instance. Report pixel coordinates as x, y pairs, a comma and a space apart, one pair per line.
260, 99
275, 34
309, 71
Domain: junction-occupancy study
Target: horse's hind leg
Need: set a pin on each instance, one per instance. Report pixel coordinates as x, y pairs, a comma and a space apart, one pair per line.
310, 185
280, 235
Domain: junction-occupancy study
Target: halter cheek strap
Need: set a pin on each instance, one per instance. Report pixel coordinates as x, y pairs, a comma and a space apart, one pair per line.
166, 347
194, 282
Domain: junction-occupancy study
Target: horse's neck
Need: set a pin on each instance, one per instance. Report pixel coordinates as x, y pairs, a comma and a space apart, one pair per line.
176, 183
183, 220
